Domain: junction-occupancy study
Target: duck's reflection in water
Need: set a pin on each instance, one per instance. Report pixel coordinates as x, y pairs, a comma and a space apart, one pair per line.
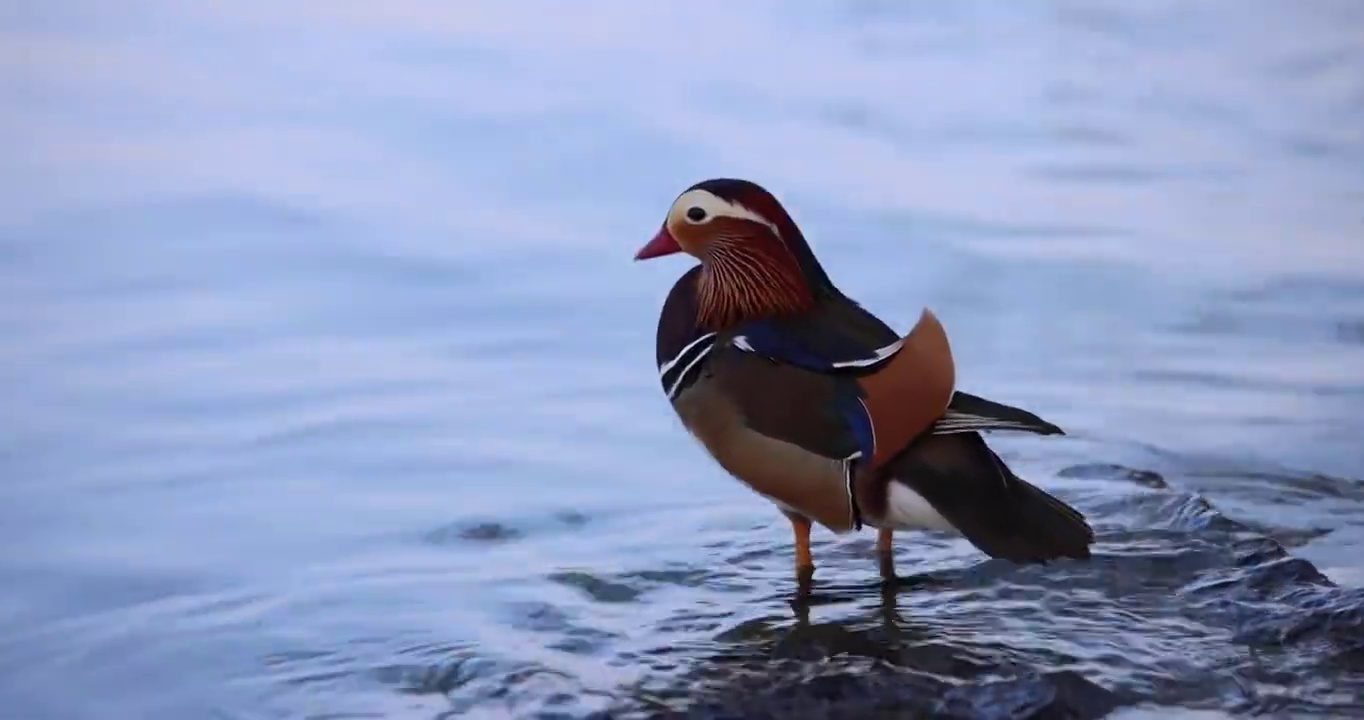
881, 633
870, 659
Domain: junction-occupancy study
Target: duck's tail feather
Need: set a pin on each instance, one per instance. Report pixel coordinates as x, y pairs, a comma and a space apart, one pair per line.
1000, 513
971, 413
1047, 526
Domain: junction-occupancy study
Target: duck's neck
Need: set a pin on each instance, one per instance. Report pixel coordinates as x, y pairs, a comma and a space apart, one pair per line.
750, 278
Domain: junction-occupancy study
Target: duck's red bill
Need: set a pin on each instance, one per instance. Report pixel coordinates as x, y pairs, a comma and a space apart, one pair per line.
662, 244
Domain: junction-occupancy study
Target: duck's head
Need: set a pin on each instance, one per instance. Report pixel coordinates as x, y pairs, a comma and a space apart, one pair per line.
755, 262
714, 215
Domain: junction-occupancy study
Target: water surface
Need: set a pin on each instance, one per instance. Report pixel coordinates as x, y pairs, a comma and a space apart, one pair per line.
330, 386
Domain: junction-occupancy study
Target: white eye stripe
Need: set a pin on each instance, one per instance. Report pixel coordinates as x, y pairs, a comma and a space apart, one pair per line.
714, 206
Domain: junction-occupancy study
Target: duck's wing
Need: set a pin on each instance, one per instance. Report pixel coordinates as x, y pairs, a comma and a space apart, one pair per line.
832, 338
842, 336
889, 394
818, 412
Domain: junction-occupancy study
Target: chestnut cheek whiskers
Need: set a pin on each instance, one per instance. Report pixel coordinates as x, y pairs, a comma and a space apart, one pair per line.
749, 276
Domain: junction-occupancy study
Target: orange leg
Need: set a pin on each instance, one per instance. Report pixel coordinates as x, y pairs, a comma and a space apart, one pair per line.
885, 548
884, 539
800, 526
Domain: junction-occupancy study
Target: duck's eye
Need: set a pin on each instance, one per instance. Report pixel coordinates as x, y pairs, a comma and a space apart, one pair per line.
696, 214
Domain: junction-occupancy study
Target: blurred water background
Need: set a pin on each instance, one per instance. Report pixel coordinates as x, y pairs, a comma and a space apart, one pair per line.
329, 385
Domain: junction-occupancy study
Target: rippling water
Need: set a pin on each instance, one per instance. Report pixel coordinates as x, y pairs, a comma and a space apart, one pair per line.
330, 390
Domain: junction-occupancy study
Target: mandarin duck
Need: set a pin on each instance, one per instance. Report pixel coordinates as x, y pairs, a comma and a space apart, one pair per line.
813, 402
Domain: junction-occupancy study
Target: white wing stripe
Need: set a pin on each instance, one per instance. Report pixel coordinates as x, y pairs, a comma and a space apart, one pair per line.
955, 422
881, 354
741, 342
665, 367
672, 391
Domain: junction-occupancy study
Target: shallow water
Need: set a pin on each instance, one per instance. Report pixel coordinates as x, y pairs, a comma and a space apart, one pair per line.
330, 388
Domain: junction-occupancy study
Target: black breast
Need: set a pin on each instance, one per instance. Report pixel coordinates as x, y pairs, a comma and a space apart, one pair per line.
681, 344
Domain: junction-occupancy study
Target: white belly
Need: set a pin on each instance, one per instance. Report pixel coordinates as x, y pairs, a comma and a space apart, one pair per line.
908, 510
